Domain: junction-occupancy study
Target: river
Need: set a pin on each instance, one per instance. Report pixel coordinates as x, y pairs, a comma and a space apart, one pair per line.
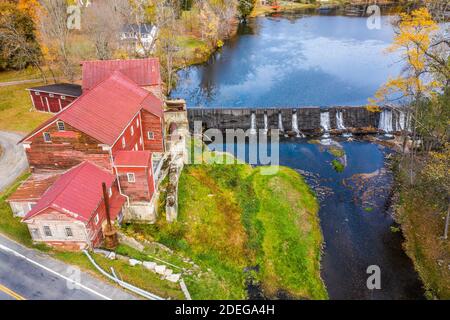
300, 60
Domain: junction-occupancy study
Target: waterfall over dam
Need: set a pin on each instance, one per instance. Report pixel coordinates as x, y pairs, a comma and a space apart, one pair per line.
305, 120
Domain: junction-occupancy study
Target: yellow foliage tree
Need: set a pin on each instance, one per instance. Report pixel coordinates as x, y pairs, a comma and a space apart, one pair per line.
413, 40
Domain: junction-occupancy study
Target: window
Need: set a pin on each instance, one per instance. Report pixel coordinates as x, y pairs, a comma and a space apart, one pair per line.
47, 137
124, 143
110, 192
132, 130
96, 219
150, 135
51, 95
47, 231
35, 234
31, 205
63, 97
69, 232
131, 178
37, 93
61, 126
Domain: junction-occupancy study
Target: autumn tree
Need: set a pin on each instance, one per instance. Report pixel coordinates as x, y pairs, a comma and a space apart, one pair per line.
424, 77
19, 47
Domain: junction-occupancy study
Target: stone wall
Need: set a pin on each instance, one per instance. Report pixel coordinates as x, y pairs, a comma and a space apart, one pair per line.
308, 118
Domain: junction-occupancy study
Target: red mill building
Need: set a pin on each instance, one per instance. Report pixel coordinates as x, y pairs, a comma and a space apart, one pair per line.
111, 134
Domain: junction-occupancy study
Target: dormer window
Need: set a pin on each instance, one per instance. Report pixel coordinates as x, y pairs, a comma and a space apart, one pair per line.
61, 126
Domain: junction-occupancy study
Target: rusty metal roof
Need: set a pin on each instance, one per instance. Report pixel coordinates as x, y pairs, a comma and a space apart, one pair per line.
144, 72
33, 188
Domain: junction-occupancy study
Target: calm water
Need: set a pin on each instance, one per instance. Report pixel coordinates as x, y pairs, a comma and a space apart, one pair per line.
294, 61
355, 219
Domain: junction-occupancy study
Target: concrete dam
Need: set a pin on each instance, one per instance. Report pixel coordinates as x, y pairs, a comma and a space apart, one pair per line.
308, 120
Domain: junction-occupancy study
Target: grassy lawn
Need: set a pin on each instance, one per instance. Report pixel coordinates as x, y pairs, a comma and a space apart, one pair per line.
16, 75
192, 51
16, 109
138, 276
233, 219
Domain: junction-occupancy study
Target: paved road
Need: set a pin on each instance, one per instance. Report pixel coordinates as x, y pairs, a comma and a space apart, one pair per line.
31, 275
13, 160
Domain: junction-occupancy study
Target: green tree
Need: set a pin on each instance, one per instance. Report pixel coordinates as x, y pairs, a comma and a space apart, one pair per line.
245, 8
18, 45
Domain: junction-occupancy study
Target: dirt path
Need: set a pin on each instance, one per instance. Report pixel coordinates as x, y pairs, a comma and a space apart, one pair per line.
12, 160
13, 83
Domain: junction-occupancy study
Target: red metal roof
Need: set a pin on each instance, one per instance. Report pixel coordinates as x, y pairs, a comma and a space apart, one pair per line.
132, 159
105, 111
144, 72
77, 193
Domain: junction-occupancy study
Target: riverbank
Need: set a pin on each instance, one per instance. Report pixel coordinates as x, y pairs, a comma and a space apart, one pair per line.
283, 7
227, 225
421, 209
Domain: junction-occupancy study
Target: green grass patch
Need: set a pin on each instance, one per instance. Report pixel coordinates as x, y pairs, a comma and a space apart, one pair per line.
192, 50
10, 225
232, 217
337, 166
16, 109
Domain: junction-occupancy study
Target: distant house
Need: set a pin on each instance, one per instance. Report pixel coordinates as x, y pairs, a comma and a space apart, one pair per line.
54, 97
139, 37
71, 214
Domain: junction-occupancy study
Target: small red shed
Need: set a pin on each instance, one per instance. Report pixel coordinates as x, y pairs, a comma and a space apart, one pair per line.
54, 97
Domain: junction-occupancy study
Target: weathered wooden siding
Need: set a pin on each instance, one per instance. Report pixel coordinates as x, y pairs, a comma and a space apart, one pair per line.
152, 123
131, 140
43, 102
67, 149
142, 189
